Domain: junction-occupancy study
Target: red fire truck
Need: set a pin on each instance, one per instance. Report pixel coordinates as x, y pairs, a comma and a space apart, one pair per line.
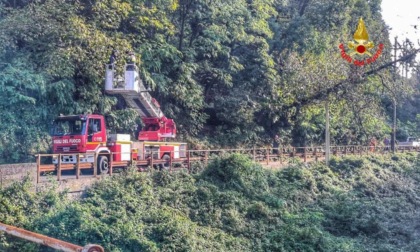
87, 134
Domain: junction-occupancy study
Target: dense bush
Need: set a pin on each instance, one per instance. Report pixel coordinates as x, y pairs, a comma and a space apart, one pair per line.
355, 204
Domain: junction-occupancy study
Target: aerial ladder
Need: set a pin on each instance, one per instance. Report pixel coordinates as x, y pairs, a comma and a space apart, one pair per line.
156, 126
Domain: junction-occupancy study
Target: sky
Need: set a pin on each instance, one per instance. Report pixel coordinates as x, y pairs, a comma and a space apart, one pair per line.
402, 16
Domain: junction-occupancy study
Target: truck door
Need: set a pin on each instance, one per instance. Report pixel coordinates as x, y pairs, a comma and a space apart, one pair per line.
95, 133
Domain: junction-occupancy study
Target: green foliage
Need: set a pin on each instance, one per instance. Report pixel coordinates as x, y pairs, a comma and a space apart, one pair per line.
236, 171
22, 126
356, 204
19, 206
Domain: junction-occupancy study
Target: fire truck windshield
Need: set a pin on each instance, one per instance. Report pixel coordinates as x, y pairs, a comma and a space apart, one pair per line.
68, 127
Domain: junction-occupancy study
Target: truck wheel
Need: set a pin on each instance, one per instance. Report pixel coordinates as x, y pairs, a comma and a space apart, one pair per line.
103, 165
166, 157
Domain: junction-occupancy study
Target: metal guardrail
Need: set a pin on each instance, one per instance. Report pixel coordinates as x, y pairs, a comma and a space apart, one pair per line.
48, 241
266, 156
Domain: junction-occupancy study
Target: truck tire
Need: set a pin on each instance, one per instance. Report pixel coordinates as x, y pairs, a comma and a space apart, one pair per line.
166, 157
103, 165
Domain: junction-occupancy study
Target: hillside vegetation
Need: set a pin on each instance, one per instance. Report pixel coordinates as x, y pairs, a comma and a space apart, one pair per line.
356, 204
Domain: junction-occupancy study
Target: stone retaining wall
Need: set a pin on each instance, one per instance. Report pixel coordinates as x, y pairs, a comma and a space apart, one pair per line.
10, 173
16, 172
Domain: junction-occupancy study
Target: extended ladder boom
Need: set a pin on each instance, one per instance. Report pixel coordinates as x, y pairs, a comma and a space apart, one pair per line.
131, 88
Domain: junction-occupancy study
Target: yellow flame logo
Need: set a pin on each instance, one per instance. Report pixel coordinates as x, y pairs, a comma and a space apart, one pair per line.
361, 36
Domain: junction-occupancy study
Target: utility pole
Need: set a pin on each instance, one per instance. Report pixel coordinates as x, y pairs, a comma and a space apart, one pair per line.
394, 102
394, 125
327, 126
327, 132
404, 48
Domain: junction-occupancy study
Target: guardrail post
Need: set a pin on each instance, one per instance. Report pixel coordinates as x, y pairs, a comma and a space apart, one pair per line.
188, 162
111, 163
253, 153
206, 157
170, 160
151, 159
38, 167
268, 155
78, 166
95, 165
281, 150
59, 168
